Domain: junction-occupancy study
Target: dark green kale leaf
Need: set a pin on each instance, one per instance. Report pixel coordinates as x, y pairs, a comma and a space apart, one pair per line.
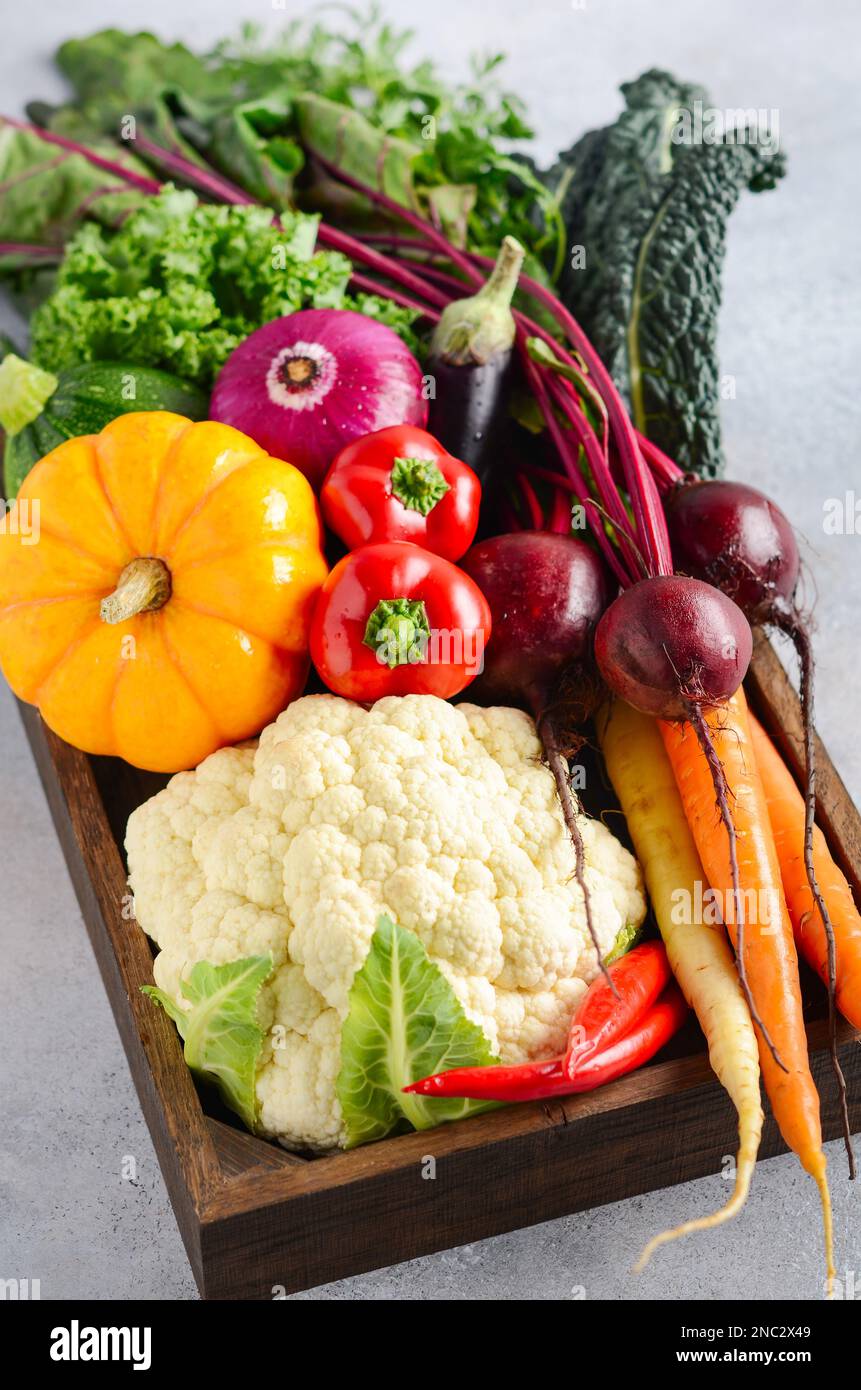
648, 203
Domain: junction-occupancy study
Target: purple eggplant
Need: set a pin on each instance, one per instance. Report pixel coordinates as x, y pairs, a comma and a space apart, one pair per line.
471, 364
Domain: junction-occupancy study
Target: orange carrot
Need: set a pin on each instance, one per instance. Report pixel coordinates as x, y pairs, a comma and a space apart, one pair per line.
786, 812
770, 959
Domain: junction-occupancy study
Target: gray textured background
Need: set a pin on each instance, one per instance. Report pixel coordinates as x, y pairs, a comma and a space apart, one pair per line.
790, 335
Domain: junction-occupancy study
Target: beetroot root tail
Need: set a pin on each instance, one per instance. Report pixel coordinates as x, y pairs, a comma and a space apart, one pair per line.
558, 765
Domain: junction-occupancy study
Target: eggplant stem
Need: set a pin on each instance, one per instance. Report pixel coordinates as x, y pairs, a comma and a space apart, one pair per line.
502, 280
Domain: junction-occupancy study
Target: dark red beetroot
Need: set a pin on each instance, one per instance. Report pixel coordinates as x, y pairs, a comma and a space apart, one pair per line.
546, 593
735, 537
670, 642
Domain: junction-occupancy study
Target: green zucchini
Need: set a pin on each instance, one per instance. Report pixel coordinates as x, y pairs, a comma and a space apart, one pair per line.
38, 411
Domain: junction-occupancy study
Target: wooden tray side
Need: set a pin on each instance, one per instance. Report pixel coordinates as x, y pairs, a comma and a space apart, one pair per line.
166, 1090
552, 1161
255, 1218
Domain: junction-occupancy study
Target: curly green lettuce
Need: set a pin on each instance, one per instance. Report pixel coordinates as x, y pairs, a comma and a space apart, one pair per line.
180, 284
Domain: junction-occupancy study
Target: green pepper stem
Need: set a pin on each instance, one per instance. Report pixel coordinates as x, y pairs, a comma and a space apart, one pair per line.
397, 630
418, 483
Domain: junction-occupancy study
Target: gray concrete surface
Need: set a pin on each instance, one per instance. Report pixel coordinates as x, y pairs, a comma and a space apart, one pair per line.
790, 335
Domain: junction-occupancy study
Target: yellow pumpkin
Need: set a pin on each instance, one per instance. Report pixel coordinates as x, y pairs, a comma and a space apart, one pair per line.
156, 588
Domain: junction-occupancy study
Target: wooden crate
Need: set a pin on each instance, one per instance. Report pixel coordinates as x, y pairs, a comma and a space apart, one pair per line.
256, 1219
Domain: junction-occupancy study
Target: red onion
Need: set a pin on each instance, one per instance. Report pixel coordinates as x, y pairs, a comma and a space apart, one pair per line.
305, 385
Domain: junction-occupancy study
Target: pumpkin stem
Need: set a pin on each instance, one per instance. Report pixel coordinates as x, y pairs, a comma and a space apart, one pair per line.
143, 586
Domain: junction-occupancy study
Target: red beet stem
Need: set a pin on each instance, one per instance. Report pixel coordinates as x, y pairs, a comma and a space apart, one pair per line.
665, 471
599, 465
207, 181
383, 265
568, 456
369, 286
612, 505
531, 502
559, 519
29, 248
139, 181
645, 500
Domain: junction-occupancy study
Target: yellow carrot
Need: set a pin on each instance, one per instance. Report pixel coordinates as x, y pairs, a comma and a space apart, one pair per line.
769, 956
698, 950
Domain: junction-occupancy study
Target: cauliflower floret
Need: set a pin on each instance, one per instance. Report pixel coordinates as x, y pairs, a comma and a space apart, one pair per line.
440, 816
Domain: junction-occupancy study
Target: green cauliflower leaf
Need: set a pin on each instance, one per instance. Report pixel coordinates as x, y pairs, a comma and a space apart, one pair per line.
404, 1022
220, 1030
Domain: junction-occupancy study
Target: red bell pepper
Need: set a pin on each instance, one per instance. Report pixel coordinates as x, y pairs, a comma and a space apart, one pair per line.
638, 978
393, 619
400, 484
545, 1080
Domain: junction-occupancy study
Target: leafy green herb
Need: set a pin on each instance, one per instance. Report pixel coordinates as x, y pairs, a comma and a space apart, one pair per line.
387, 163
248, 106
179, 286
404, 1022
220, 1030
649, 207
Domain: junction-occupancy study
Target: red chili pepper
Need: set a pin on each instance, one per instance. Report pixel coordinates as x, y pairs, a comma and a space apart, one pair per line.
393, 619
654, 1030
400, 484
602, 1016
528, 1081
544, 1080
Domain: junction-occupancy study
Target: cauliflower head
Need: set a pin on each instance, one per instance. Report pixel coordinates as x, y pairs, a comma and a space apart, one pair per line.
441, 817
